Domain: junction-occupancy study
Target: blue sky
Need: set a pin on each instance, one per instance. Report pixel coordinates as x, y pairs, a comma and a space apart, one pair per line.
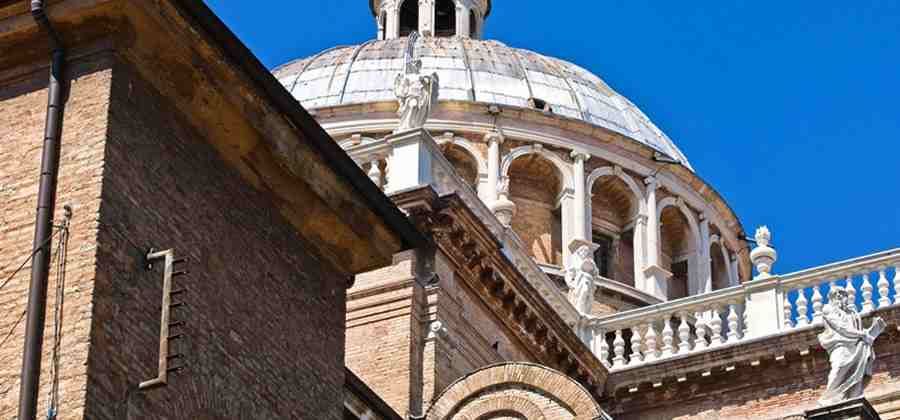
789, 109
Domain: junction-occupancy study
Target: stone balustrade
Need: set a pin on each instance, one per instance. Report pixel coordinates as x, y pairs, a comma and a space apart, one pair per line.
766, 306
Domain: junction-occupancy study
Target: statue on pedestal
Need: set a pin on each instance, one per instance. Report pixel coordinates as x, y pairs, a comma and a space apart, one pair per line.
580, 274
849, 348
415, 92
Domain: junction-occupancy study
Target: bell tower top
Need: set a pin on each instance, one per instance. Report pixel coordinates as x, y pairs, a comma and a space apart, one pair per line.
445, 18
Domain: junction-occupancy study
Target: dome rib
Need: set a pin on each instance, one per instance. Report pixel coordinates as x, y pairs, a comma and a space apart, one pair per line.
472, 70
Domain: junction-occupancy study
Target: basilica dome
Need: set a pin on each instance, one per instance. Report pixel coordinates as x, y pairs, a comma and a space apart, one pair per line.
552, 151
473, 70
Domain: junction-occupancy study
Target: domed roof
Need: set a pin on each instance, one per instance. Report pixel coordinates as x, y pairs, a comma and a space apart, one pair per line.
470, 70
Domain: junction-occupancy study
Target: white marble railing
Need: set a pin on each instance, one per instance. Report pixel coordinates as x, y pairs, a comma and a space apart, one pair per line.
756, 309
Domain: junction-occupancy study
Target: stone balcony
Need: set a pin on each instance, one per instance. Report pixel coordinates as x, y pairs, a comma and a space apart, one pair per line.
768, 322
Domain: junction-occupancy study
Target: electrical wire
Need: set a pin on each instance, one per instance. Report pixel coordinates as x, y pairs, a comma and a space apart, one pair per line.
52, 233
61, 259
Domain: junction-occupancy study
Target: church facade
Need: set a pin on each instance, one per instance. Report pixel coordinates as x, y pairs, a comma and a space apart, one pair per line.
427, 225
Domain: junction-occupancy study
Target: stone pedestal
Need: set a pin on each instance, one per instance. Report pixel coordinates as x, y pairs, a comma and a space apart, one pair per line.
410, 162
858, 409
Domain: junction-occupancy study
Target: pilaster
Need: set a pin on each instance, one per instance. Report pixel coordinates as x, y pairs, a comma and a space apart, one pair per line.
580, 225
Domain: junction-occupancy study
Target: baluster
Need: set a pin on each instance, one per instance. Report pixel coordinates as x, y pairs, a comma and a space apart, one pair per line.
715, 325
650, 350
884, 288
700, 326
745, 320
604, 348
851, 292
897, 284
619, 350
867, 304
788, 324
802, 308
817, 304
684, 334
636, 342
668, 349
733, 323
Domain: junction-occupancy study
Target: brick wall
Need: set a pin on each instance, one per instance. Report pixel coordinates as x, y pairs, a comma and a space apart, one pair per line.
23, 102
256, 298
390, 344
139, 177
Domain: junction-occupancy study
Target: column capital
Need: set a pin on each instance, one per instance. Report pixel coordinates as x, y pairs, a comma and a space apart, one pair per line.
580, 155
494, 136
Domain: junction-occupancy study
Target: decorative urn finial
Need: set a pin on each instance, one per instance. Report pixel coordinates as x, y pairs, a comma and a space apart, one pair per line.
763, 256
502, 207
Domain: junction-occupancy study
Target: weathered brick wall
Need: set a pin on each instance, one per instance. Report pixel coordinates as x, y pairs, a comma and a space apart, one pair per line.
383, 323
23, 102
264, 318
475, 337
390, 344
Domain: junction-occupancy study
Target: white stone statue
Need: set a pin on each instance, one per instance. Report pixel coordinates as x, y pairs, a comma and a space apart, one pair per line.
416, 93
580, 274
849, 348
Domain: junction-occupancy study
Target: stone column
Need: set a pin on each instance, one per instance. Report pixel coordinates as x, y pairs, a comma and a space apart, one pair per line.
704, 258
638, 245
426, 17
567, 206
462, 21
581, 225
733, 277
393, 23
656, 278
494, 140
652, 224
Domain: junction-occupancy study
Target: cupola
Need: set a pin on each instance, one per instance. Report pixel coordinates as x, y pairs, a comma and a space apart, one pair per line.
440, 18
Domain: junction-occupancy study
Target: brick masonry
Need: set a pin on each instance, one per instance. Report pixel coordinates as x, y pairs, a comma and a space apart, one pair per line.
23, 102
139, 176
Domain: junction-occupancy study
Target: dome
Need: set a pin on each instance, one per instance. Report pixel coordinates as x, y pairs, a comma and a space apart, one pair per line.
471, 70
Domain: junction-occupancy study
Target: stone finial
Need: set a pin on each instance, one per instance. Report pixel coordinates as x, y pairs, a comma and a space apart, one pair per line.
503, 208
763, 256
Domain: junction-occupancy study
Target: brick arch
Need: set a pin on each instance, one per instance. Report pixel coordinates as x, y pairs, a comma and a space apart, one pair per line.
490, 383
501, 404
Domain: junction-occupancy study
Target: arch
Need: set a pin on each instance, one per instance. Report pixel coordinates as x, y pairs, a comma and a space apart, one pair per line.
686, 273
469, 147
562, 166
618, 173
502, 405
473, 24
409, 17
720, 263
491, 383
688, 214
445, 18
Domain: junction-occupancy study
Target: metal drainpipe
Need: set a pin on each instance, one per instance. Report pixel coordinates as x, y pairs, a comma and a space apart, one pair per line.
40, 269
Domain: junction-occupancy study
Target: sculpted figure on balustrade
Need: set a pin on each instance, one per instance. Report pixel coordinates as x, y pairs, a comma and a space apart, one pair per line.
416, 93
849, 347
581, 271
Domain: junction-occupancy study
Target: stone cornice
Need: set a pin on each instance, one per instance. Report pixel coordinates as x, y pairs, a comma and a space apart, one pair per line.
478, 257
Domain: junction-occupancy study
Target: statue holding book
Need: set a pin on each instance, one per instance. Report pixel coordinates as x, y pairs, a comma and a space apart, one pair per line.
849, 346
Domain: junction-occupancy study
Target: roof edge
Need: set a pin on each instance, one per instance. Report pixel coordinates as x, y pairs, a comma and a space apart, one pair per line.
269, 86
